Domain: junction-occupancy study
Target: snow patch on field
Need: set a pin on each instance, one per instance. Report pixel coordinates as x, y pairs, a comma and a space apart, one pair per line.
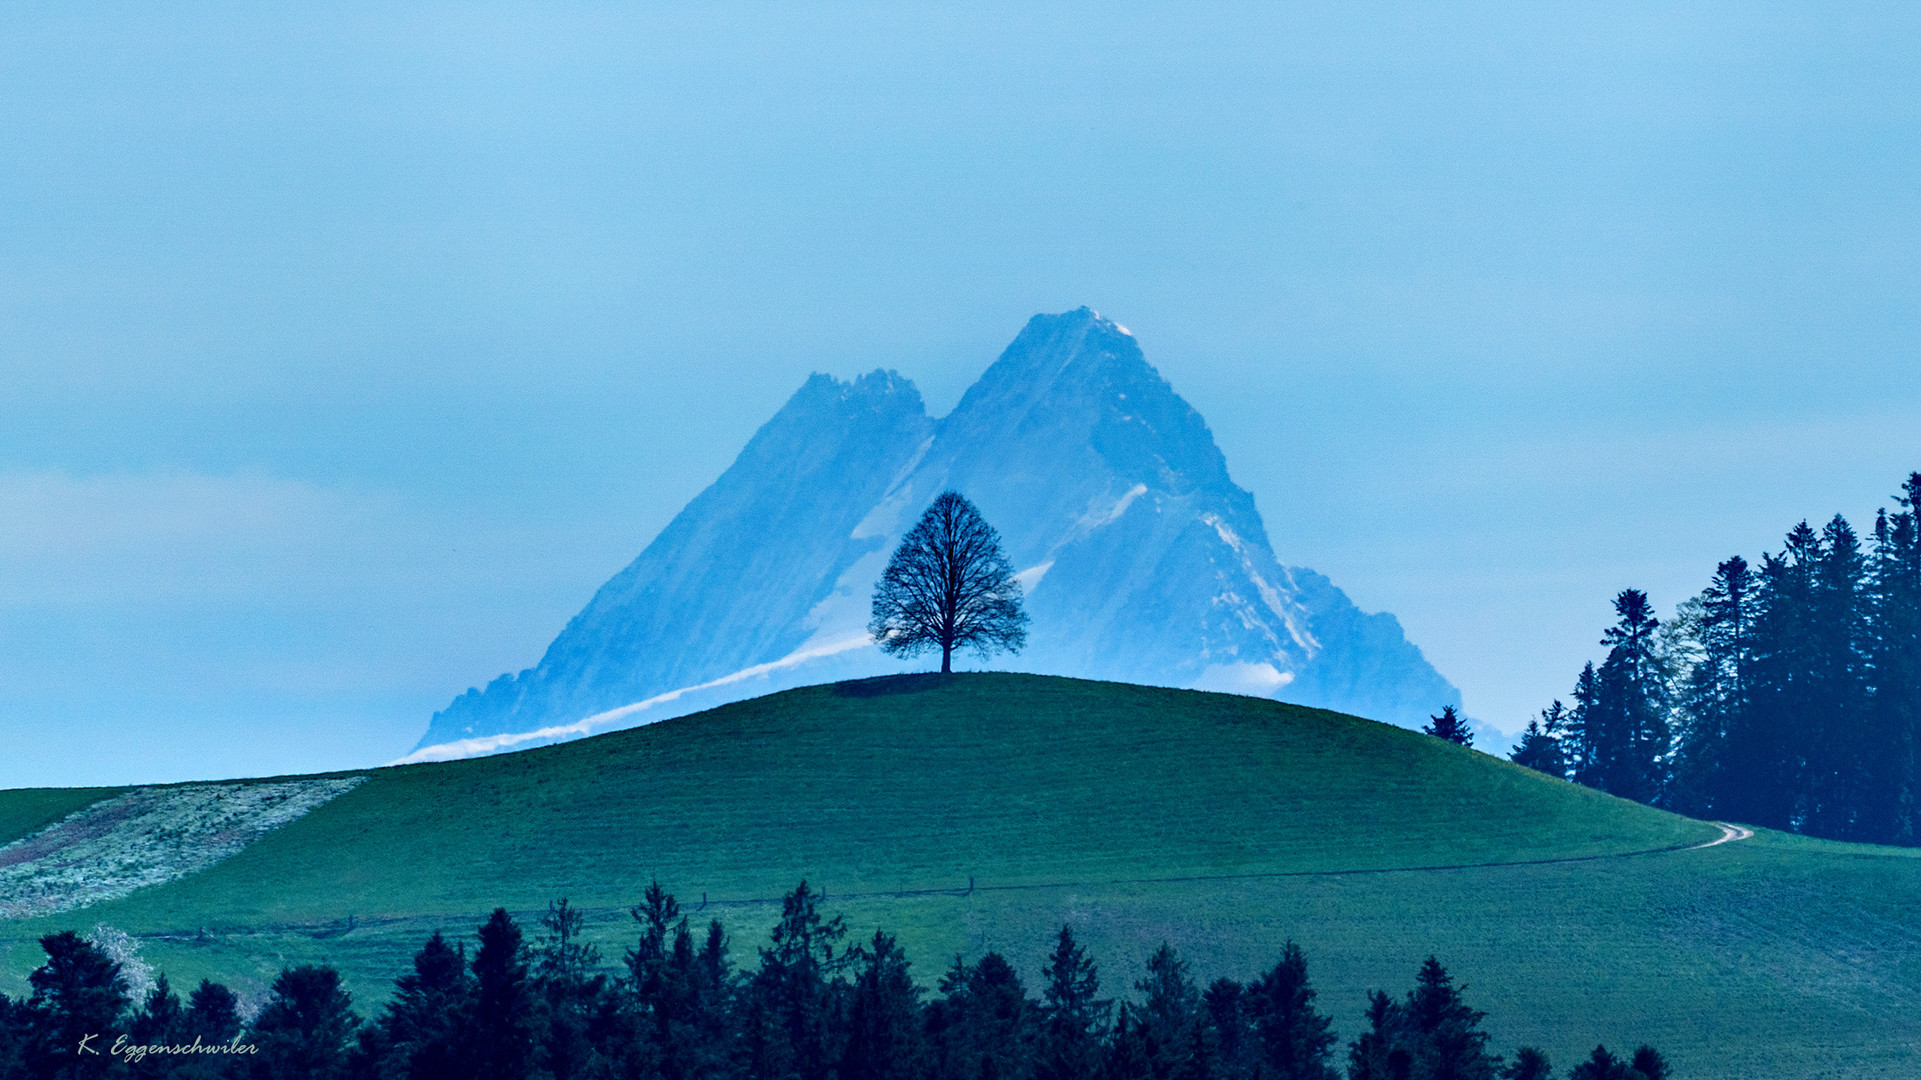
147, 836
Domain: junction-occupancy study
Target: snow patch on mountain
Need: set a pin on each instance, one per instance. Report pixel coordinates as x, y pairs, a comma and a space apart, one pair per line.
1251, 680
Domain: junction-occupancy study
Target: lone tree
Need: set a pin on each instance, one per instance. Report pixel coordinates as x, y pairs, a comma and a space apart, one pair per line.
1450, 726
949, 586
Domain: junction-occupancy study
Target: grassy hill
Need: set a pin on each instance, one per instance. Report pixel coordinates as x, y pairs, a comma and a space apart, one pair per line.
1223, 824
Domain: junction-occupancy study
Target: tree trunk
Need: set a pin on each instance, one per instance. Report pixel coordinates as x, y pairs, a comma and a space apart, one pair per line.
946, 659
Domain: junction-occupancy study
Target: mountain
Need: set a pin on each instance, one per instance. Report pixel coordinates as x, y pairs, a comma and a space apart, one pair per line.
1142, 560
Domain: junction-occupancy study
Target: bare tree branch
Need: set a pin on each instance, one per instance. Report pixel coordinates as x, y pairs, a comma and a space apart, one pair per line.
948, 587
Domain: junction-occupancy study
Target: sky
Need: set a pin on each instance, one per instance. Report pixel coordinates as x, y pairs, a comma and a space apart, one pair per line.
346, 349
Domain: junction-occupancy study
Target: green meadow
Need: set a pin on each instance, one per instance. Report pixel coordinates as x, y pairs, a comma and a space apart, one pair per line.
978, 812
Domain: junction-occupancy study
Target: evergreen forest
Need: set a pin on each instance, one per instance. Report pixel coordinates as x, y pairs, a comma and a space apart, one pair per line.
1787, 694
814, 1007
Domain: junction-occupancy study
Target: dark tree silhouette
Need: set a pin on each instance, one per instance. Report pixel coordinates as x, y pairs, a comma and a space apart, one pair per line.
792, 1000
572, 995
13, 1027
419, 1035
1170, 1015
1714, 694
1291, 1039
79, 999
1649, 1063
1540, 745
213, 1013
1377, 1054
501, 1025
161, 1019
1071, 1016
1450, 726
884, 1022
681, 1012
1445, 1034
304, 1029
984, 1024
948, 587
1600, 1065
1528, 1064
1623, 707
1786, 694
1226, 1005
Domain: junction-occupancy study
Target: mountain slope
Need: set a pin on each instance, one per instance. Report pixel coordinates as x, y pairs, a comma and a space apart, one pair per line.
730, 582
1142, 559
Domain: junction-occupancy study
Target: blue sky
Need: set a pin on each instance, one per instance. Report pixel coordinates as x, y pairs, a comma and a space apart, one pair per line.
344, 351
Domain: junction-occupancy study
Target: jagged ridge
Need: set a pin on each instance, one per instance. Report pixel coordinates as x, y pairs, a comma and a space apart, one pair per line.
1143, 560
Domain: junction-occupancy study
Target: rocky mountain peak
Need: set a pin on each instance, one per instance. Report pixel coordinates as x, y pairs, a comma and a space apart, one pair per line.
1142, 560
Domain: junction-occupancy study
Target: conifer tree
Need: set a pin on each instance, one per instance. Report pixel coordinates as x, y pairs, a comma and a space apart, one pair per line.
655, 991
1072, 1015
1448, 1043
1170, 1013
1600, 1065
161, 1019
1431, 1035
1291, 1040
1622, 706
1836, 740
13, 1022
1528, 1064
1771, 743
1130, 1052
420, 1034
1648, 1064
304, 1029
884, 1031
680, 995
1577, 744
1714, 694
570, 993
983, 1023
1893, 597
501, 1032
213, 1013
1540, 745
1225, 1002
1798, 684
1380, 1053
711, 1003
1449, 726
1202, 1058
796, 993
79, 998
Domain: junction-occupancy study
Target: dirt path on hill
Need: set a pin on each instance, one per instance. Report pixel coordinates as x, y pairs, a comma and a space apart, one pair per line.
1729, 834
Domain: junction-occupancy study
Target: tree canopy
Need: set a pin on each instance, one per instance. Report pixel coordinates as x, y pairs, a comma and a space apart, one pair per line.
1787, 694
949, 586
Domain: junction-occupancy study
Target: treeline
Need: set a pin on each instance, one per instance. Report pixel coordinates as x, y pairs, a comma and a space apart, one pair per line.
1786, 694
814, 1008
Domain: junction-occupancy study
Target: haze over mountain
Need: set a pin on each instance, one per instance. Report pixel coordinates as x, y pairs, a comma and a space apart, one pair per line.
1142, 560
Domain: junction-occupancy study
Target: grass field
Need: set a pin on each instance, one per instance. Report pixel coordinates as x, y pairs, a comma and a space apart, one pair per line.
29, 810
1222, 824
